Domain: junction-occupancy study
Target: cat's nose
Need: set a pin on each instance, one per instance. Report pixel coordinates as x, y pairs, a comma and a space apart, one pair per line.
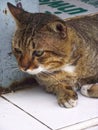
25, 67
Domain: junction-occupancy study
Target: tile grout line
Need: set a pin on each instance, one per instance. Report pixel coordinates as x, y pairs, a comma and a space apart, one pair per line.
69, 127
26, 112
91, 127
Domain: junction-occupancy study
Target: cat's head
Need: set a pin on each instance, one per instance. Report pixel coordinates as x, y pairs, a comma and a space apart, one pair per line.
39, 41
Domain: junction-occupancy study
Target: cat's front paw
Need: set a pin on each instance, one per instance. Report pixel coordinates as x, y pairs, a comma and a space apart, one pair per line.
68, 100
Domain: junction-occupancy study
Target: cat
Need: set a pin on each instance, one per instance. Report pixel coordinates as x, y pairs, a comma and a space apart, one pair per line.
62, 55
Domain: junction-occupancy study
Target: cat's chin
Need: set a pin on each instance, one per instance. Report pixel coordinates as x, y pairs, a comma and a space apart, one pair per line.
35, 71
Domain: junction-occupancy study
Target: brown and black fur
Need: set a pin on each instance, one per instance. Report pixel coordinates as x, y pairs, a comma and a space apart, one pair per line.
72, 42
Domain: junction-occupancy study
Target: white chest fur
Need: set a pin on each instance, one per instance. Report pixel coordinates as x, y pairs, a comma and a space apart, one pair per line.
69, 68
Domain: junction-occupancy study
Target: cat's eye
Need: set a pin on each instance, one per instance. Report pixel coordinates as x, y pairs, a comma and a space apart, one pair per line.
18, 51
38, 53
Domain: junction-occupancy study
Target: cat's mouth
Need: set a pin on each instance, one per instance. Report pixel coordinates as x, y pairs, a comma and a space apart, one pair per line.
38, 70
34, 71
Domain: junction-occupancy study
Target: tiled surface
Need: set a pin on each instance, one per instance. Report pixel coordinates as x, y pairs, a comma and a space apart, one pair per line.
93, 128
44, 108
87, 125
12, 118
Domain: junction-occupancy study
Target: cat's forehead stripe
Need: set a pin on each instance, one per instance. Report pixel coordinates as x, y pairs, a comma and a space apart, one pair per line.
29, 42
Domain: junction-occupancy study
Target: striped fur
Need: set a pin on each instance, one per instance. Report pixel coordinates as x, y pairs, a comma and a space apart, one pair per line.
61, 54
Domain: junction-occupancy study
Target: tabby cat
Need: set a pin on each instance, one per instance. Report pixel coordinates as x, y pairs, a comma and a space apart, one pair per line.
62, 55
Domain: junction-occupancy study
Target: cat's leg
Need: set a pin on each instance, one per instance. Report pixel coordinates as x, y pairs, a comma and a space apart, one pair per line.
23, 84
4, 90
90, 90
66, 96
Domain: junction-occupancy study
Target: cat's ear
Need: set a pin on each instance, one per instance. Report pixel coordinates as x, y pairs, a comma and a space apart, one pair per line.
58, 27
19, 14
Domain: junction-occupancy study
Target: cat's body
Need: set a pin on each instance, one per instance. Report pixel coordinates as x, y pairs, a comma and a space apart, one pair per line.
87, 29
61, 54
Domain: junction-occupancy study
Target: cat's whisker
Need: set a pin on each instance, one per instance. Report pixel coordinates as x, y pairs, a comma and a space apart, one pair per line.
50, 72
51, 75
16, 69
11, 66
12, 63
7, 59
8, 62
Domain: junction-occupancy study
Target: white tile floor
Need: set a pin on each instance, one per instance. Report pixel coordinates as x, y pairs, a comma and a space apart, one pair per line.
34, 109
